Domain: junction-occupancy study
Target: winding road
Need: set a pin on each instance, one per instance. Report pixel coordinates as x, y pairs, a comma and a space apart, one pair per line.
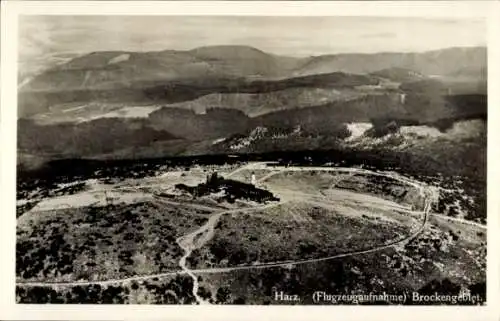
203, 234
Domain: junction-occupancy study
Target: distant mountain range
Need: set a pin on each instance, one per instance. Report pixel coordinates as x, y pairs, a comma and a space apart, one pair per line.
171, 76
437, 62
114, 69
124, 104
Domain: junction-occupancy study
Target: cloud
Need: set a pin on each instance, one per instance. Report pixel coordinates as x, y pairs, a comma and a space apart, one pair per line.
280, 35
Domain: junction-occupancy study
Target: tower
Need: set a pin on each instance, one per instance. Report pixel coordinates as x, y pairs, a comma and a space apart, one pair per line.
402, 98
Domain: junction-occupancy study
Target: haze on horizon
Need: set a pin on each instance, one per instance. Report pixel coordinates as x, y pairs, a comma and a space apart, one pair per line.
290, 36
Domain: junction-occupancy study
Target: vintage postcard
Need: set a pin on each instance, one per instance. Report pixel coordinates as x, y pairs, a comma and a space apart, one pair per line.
184, 154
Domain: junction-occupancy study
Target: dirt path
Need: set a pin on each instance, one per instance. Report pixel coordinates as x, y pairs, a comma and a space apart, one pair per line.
200, 207
182, 264
236, 268
189, 243
201, 236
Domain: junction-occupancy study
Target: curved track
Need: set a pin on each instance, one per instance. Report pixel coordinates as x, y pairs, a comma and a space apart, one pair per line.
202, 235
189, 249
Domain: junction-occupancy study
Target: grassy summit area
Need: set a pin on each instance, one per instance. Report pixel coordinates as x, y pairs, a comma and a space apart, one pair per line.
100, 243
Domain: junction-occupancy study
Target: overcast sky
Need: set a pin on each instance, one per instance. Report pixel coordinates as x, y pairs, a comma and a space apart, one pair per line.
293, 36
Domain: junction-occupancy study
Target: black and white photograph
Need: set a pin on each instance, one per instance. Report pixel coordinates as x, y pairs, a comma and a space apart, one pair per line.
251, 160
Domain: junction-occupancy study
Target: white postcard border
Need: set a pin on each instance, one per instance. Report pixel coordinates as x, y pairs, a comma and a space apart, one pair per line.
12, 9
